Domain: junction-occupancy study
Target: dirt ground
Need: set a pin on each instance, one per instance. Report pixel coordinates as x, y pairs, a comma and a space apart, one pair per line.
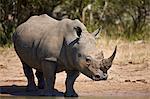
129, 75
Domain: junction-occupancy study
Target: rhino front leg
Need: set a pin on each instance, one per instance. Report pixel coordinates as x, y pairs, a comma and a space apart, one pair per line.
30, 77
49, 73
71, 77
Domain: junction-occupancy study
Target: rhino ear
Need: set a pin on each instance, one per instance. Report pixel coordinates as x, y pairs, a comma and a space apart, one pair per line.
96, 32
78, 31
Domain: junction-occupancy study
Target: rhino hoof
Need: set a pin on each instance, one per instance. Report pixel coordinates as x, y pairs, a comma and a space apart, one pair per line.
31, 88
71, 95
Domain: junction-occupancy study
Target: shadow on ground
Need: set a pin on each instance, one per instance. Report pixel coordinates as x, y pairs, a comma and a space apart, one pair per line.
21, 91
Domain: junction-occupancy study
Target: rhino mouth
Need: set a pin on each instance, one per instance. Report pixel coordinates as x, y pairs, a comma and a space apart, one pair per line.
98, 77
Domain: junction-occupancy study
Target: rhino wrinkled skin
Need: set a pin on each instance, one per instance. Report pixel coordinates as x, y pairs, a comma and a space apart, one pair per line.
51, 46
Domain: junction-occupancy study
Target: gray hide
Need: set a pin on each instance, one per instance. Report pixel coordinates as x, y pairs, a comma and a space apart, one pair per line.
52, 46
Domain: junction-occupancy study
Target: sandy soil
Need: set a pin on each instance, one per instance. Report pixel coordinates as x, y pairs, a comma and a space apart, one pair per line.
129, 75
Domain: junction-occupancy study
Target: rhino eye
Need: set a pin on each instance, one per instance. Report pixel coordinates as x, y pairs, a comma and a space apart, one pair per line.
88, 60
79, 55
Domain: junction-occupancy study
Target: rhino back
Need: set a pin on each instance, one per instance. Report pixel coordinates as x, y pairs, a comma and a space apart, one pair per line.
36, 39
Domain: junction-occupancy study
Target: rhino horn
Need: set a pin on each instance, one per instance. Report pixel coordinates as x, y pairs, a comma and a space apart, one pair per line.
108, 62
96, 32
111, 58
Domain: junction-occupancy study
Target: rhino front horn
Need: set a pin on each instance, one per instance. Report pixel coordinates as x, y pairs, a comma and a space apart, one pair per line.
111, 58
108, 62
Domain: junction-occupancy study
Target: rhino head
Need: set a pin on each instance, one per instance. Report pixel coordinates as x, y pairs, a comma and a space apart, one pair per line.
82, 53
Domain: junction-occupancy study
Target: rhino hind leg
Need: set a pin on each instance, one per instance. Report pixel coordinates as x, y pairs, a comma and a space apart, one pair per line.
49, 74
40, 78
31, 86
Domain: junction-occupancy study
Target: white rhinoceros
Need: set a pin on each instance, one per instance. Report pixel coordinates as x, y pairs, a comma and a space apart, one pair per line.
51, 46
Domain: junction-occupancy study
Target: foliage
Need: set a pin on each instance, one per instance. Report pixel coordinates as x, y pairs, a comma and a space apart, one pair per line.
123, 18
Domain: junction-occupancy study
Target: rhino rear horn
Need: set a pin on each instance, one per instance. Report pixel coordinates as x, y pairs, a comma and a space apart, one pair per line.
96, 32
